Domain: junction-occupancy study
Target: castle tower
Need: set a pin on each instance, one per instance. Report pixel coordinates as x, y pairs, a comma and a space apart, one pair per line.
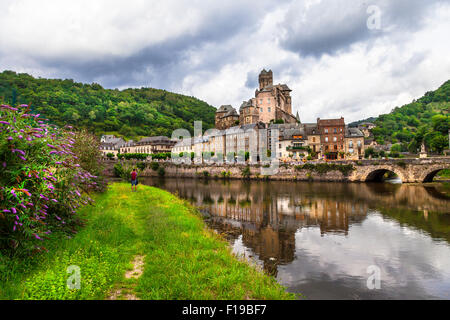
265, 79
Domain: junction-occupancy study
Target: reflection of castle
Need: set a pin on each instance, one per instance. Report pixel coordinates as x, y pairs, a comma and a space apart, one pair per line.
269, 215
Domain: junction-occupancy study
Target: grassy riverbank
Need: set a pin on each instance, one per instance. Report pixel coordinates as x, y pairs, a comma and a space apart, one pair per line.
183, 259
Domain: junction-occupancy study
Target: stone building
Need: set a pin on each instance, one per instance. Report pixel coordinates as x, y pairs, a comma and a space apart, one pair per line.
153, 145
366, 127
272, 103
313, 136
226, 117
354, 144
248, 113
332, 135
292, 141
110, 144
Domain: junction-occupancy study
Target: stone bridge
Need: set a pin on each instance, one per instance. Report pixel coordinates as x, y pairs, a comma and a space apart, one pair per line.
408, 170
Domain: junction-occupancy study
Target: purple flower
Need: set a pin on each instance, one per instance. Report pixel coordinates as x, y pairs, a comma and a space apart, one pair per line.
9, 138
13, 210
13, 193
54, 200
37, 237
22, 158
57, 217
6, 211
51, 146
19, 151
4, 122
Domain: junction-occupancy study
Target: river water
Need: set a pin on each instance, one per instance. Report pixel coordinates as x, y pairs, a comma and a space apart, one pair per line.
333, 240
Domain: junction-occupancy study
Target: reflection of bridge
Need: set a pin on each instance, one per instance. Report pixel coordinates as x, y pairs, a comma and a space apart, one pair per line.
408, 170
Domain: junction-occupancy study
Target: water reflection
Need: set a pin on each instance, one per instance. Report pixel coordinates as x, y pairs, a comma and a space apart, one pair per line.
319, 238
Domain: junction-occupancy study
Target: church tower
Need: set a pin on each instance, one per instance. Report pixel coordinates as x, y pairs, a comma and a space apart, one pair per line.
265, 79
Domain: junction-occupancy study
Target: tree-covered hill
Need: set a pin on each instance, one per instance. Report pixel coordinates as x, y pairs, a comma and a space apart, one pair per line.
424, 120
130, 113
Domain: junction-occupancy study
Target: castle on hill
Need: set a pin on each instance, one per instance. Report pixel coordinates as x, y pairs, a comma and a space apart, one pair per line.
272, 103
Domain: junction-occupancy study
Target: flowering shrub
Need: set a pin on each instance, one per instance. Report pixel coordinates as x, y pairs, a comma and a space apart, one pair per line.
41, 182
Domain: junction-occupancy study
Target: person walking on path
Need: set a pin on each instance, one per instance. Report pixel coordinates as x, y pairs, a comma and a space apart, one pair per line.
134, 181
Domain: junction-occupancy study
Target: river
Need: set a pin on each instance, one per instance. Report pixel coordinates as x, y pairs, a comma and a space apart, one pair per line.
333, 240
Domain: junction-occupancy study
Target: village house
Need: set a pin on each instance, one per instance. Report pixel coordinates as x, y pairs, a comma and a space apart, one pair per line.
354, 144
154, 145
332, 134
109, 144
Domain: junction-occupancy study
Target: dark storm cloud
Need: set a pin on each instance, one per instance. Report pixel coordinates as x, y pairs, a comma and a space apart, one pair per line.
328, 27
165, 64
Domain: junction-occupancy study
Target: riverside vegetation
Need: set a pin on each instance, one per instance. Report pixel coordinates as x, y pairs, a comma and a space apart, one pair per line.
183, 259
56, 214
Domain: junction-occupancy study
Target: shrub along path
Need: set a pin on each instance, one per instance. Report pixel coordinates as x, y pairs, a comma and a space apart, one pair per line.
182, 259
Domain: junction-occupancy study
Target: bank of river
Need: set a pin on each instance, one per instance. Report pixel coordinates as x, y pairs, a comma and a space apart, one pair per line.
321, 239
182, 259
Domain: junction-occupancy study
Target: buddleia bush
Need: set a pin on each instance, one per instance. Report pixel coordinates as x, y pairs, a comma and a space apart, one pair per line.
41, 181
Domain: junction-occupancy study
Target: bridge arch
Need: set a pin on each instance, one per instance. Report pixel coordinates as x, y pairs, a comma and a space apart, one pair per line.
376, 174
429, 174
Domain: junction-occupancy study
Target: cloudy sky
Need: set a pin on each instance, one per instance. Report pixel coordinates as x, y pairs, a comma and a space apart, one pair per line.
351, 58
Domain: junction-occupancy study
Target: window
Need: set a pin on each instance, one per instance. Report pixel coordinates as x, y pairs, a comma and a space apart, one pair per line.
334, 139
314, 139
326, 139
269, 109
268, 100
350, 144
335, 147
359, 143
335, 130
326, 130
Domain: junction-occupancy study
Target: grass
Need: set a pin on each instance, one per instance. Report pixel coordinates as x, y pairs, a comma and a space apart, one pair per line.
183, 259
443, 174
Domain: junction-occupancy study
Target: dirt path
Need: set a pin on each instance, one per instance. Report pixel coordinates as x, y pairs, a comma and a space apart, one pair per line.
126, 292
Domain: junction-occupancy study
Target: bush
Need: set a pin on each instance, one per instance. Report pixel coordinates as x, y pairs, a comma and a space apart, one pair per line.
42, 182
161, 172
141, 166
245, 172
154, 166
87, 148
225, 174
118, 170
